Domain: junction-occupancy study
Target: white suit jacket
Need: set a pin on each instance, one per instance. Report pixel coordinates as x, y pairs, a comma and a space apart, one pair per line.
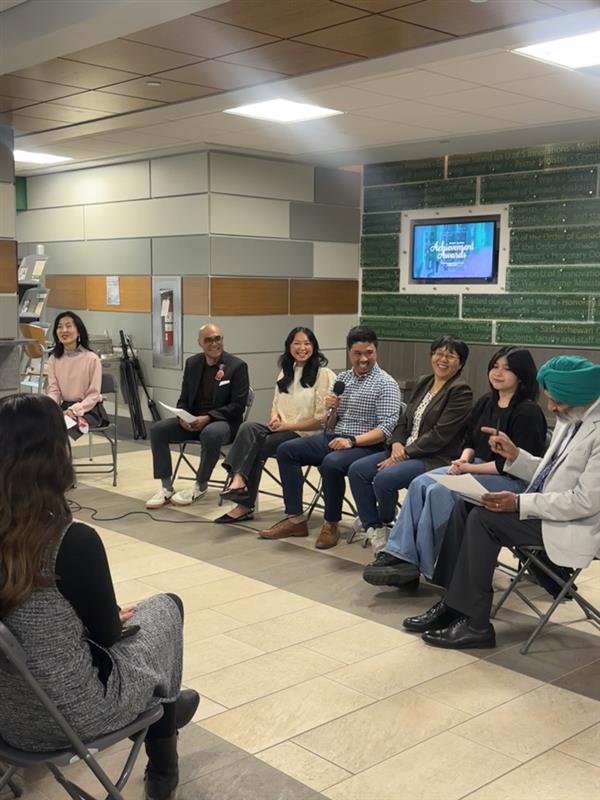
569, 505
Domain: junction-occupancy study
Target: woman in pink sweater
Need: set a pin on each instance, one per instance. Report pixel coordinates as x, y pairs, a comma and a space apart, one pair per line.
75, 375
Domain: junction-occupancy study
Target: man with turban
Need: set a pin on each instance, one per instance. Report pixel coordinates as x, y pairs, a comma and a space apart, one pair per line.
559, 509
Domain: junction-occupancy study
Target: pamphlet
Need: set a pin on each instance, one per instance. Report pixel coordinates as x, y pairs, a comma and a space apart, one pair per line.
466, 486
179, 412
70, 422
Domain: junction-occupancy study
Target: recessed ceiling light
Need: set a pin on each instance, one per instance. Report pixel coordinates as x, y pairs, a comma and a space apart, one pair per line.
153, 83
280, 110
38, 158
572, 51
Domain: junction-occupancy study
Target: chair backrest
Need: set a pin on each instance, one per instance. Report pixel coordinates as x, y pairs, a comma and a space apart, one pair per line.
12, 655
249, 403
109, 384
36, 348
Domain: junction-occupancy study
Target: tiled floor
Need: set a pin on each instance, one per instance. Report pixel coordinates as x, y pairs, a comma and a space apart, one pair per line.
310, 687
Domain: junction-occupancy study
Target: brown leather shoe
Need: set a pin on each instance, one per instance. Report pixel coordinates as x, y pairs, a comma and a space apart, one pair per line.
285, 528
328, 537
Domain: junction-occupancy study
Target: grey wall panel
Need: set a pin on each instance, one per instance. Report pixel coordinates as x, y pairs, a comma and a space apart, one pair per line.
331, 329
249, 334
160, 378
337, 359
137, 325
337, 187
7, 211
249, 216
263, 400
262, 368
51, 225
324, 223
162, 216
187, 174
336, 260
168, 396
100, 257
260, 177
180, 255
7, 165
244, 256
82, 186
8, 316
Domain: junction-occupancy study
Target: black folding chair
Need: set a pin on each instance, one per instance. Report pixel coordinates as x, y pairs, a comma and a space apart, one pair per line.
14, 660
534, 557
109, 432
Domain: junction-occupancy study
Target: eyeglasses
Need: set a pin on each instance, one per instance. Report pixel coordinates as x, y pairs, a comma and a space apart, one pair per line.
445, 354
212, 339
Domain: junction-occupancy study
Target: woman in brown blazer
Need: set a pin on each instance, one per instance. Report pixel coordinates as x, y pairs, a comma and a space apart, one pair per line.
428, 435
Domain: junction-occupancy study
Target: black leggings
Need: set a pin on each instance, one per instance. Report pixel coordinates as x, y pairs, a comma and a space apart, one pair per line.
166, 727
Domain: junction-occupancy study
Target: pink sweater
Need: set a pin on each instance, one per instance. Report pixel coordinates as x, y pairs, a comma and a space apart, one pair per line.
75, 379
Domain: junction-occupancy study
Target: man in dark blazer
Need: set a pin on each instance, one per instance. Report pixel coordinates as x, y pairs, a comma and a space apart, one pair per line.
215, 391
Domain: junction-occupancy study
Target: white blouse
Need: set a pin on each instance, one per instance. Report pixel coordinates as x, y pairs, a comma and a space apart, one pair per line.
420, 410
302, 403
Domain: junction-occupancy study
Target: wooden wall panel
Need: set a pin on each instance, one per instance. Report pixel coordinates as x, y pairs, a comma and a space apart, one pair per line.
248, 296
67, 291
135, 293
323, 297
8, 265
195, 294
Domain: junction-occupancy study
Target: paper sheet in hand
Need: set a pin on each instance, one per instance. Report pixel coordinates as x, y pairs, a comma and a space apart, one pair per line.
466, 486
179, 412
70, 422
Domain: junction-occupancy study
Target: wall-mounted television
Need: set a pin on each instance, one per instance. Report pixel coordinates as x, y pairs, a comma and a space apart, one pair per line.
455, 250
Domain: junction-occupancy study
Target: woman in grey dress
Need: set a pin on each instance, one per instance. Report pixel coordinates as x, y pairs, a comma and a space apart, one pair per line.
102, 665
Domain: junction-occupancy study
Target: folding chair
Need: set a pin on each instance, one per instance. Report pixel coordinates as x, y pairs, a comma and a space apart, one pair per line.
528, 557
316, 500
34, 367
109, 432
183, 456
13, 660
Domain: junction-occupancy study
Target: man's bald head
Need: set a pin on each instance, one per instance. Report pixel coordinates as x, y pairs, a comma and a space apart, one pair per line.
210, 339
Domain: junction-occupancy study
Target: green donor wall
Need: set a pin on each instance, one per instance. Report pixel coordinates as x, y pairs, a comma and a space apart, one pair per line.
553, 276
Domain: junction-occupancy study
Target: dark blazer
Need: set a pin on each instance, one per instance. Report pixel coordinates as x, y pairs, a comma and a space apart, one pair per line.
230, 393
442, 424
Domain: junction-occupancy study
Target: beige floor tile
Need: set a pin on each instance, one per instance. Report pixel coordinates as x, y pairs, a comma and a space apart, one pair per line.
525, 727
360, 641
141, 566
209, 655
398, 669
222, 591
196, 574
265, 606
585, 745
303, 765
242, 683
552, 776
374, 733
272, 719
111, 539
132, 550
207, 708
290, 629
442, 768
206, 623
129, 592
478, 687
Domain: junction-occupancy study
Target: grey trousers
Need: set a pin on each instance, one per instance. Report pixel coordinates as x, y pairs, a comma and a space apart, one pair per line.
169, 431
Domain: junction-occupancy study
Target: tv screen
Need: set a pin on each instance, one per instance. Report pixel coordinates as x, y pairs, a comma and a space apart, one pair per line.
455, 250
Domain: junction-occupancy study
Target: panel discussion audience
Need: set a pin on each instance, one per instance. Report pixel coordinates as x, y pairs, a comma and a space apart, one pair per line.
510, 406
360, 422
428, 435
58, 600
215, 391
559, 510
298, 410
75, 375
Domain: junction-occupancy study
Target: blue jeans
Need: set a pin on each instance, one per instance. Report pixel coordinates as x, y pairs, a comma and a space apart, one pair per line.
418, 533
333, 466
376, 493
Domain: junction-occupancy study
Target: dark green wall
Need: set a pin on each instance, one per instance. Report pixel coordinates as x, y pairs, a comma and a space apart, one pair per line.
553, 277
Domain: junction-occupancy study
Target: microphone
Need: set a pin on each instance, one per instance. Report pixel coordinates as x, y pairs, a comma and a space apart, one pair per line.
338, 390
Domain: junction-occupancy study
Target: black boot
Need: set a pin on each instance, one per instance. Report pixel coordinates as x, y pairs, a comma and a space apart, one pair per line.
186, 706
162, 773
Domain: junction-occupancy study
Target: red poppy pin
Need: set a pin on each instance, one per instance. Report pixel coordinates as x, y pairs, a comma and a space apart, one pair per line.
220, 372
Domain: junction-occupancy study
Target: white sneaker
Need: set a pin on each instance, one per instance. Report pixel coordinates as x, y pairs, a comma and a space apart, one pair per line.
159, 499
378, 538
188, 496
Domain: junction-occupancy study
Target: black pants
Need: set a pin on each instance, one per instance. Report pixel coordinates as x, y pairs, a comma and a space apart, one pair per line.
166, 727
253, 444
212, 437
469, 555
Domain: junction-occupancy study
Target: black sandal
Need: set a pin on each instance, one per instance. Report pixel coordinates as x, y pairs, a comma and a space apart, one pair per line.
228, 519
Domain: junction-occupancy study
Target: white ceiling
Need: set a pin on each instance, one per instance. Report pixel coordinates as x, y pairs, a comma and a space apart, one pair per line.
457, 96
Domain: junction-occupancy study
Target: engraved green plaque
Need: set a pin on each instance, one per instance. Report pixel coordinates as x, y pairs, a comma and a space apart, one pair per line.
554, 279
394, 198
539, 185
419, 329
572, 154
404, 171
380, 223
380, 280
566, 212
579, 244
450, 193
549, 334
494, 161
379, 251
410, 305
526, 306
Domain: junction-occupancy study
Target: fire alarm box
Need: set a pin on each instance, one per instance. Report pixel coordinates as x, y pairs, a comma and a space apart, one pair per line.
166, 322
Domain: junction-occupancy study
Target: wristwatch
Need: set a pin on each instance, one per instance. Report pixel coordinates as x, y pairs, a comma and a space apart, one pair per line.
352, 440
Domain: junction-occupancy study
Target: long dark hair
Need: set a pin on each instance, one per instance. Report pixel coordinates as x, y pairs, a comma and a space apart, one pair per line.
35, 473
311, 367
84, 339
520, 361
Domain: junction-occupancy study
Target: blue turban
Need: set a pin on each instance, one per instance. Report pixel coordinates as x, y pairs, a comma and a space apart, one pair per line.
573, 380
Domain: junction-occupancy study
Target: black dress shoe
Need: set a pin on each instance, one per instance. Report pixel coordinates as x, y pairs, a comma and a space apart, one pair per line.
461, 636
234, 494
387, 570
186, 706
227, 519
438, 616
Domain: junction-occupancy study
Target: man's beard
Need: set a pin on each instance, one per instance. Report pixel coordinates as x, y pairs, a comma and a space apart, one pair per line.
573, 415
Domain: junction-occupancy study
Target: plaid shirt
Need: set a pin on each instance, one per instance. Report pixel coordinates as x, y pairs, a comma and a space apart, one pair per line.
369, 401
